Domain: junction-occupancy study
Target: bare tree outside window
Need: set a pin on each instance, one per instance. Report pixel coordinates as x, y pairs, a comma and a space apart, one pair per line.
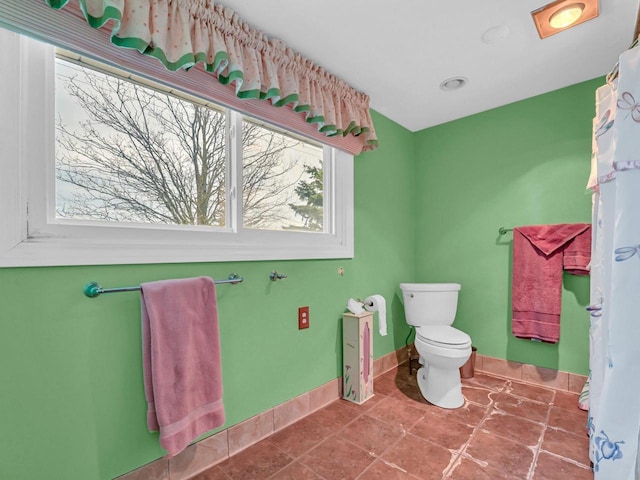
130, 153
269, 201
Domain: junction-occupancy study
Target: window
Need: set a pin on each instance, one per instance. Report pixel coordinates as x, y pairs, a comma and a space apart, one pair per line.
104, 165
282, 180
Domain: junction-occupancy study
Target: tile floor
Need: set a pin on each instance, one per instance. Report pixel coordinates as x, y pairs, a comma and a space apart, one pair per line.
506, 430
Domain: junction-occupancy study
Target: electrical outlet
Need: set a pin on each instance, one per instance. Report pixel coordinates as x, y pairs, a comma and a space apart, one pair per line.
303, 317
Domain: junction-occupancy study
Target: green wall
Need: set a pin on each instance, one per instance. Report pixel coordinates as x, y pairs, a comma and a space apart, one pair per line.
427, 208
72, 403
525, 163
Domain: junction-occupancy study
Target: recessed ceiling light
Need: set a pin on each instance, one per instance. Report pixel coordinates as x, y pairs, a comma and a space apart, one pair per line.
562, 14
454, 83
566, 16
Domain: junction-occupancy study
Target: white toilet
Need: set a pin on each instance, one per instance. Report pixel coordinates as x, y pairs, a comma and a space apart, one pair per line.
431, 309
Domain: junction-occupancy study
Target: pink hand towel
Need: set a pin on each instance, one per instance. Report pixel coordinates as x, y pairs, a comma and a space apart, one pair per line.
181, 360
577, 254
537, 279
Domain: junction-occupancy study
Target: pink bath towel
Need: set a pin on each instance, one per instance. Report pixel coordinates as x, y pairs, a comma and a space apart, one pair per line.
537, 278
181, 360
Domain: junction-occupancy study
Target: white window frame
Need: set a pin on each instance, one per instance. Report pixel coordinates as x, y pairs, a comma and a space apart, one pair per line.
30, 236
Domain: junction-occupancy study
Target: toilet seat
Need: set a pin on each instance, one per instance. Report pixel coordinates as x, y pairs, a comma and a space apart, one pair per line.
443, 336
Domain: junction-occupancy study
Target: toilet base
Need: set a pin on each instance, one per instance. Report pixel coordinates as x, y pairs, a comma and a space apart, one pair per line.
441, 387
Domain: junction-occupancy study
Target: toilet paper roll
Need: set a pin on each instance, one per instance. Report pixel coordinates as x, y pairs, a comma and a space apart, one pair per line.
376, 303
355, 307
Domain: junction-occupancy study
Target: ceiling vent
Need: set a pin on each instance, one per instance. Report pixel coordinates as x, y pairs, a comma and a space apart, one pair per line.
454, 83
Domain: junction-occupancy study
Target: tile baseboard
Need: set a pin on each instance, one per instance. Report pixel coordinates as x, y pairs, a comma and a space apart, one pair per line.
523, 372
218, 447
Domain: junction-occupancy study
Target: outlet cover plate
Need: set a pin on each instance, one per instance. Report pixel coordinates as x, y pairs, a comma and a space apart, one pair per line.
303, 317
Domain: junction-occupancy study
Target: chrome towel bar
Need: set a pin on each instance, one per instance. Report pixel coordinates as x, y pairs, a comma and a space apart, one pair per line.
94, 289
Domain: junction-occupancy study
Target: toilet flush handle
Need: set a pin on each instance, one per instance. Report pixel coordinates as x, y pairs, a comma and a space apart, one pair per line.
411, 295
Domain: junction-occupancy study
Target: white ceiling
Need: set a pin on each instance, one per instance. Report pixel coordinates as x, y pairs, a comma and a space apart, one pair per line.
399, 52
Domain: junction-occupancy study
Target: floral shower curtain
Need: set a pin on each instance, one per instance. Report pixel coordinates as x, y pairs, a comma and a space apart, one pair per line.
614, 404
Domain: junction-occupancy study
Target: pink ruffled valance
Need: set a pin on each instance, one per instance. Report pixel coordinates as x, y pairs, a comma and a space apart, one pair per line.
183, 33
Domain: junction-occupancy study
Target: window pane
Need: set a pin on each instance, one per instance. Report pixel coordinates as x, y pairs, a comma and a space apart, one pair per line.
282, 180
126, 152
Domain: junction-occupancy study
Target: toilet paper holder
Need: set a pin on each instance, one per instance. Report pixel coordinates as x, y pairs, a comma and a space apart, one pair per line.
376, 303
365, 303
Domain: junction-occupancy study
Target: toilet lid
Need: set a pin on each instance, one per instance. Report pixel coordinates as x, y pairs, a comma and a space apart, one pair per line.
443, 335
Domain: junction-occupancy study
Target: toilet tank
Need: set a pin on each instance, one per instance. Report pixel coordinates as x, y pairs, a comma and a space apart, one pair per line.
430, 303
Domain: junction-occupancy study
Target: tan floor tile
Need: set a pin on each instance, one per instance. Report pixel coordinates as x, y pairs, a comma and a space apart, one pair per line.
396, 412
385, 471
401, 373
477, 395
574, 421
419, 457
337, 459
367, 405
519, 406
566, 400
531, 392
387, 384
500, 453
443, 431
257, 462
411, 394
371, 434
550, 467
568, 445
300, 437
335, 415
485, 381
467, 469
469, 413
514, 428
295, 471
